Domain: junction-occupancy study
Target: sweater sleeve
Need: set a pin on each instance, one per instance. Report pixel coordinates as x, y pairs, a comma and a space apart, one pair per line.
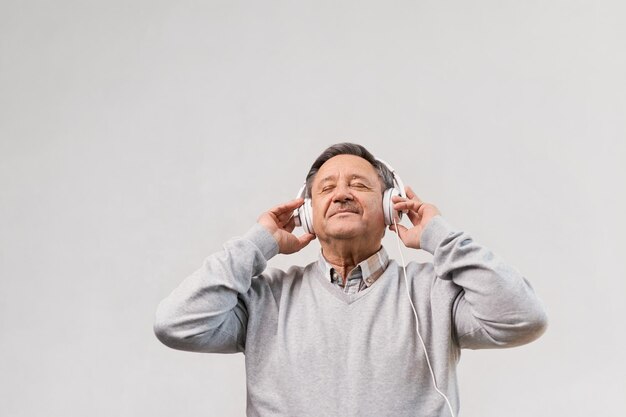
497, 306
205, 312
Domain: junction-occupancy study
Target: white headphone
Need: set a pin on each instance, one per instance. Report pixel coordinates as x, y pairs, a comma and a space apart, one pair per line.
303, 215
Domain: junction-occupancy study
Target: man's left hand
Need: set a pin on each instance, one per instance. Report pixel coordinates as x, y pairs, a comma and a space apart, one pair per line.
419, 213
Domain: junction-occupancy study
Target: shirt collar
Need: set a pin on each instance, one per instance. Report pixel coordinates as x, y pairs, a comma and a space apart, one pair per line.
371, 268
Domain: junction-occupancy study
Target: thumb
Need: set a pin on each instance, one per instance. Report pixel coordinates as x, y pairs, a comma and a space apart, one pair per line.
400, 230
291, 243
304, 240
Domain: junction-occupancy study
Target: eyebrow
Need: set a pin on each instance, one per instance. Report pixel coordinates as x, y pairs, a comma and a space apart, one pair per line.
352, 177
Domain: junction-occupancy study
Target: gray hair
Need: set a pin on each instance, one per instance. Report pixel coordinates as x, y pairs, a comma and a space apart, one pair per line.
345, 148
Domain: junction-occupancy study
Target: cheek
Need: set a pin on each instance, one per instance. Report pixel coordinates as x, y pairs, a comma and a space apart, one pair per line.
376, 207
375, 203
319, 207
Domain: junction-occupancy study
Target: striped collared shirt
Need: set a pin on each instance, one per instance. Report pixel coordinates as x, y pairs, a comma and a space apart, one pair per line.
362, 276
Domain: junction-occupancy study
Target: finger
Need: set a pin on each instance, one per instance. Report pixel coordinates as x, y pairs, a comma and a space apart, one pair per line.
400, 230
407, 205
411, 194
284, 210
288, 227
411, 209
414, 217
289, 224
394, 228
289, 205
398, 199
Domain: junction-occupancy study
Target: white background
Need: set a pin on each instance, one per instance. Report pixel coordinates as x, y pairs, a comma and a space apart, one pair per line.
138, 136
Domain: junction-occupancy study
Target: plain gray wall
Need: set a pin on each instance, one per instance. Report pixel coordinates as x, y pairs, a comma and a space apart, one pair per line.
138, 136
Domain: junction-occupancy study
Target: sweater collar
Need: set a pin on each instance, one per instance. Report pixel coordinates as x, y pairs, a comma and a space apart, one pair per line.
368, 270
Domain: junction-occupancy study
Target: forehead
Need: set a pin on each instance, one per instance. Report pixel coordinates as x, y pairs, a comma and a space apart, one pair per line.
346, 165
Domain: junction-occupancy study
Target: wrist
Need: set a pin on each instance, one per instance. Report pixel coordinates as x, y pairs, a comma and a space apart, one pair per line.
435, 231
263, 239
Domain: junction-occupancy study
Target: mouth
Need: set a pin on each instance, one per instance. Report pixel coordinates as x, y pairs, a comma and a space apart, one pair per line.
344, 211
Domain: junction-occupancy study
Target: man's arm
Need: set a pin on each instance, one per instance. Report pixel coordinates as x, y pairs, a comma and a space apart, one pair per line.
497, 306
205, 313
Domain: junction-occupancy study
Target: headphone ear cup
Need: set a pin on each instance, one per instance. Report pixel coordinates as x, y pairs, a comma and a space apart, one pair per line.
388, 211
305, 213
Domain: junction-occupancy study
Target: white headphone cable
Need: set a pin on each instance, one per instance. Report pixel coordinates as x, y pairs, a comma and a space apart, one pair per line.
432, 374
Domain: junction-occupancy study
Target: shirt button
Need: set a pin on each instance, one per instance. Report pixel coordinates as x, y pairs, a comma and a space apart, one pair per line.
369, 280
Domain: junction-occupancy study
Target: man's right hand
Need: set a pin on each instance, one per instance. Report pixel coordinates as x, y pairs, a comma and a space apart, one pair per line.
280, 223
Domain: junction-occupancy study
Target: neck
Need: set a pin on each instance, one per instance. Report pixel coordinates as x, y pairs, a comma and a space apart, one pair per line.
345, 255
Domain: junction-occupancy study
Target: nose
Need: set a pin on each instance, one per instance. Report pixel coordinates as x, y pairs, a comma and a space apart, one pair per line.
342, 194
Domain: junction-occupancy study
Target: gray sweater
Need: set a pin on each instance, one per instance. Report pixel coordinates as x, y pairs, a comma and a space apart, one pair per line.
312, 350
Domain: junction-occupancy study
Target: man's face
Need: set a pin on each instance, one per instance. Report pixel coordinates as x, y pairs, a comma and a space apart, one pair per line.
346, 197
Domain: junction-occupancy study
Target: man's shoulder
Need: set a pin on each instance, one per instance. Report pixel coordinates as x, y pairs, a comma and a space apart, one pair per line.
273, 276
413, 267
422, 274
273, 282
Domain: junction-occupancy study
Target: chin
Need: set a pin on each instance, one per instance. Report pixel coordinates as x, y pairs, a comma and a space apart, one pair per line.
343, 235
345, 231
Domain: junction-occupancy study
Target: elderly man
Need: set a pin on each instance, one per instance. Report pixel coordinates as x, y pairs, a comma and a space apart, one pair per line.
354, 333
